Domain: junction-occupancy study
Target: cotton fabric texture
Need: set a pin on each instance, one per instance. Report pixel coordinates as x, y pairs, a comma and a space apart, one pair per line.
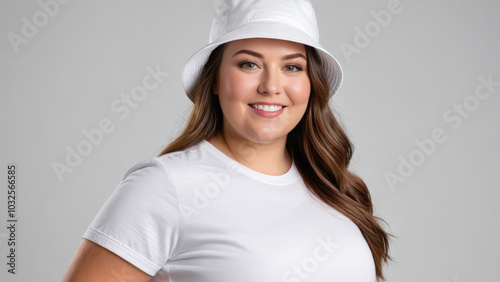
197, 215
292, 20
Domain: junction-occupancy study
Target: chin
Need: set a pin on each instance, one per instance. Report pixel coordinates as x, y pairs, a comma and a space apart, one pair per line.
268, 136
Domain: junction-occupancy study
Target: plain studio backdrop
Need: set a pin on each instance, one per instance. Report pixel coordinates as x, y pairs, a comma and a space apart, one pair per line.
419, 101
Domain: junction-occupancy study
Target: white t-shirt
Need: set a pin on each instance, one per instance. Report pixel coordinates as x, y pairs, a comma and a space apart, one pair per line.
198, 216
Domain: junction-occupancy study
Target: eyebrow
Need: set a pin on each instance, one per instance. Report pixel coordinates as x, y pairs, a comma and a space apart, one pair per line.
258, 55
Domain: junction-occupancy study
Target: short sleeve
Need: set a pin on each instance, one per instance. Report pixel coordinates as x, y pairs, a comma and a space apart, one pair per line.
140, 220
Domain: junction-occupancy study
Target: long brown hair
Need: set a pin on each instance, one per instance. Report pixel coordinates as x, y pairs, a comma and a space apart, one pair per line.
318, 145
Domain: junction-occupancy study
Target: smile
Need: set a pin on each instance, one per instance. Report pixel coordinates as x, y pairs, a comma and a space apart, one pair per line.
267, 108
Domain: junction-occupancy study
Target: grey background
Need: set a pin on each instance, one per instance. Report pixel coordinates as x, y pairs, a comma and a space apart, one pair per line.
396, 90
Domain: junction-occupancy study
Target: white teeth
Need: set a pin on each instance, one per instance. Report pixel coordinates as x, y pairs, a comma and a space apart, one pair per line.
267, 108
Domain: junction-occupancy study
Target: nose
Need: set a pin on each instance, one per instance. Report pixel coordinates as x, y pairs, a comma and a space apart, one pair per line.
271, 82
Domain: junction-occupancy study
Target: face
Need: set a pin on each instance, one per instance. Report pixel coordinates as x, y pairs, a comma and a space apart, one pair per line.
263, 89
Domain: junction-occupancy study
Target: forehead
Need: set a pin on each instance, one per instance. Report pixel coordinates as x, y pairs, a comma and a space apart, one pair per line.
265, 45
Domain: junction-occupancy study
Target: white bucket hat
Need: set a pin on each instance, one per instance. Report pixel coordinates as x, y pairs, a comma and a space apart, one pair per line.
291, 20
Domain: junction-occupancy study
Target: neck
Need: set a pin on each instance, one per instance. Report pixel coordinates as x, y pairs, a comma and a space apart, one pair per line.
269, 158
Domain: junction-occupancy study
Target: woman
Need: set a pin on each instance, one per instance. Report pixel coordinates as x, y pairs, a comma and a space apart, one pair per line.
256, 188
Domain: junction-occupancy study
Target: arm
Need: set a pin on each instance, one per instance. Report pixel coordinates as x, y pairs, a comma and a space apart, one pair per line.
92, 262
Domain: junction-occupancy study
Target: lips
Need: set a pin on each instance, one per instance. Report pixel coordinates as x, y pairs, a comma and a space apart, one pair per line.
267, 108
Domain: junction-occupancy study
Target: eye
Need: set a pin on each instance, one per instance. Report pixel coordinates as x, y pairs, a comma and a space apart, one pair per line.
247, 65
293, 68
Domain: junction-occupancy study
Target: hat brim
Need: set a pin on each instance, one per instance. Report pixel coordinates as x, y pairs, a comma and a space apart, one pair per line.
262, 29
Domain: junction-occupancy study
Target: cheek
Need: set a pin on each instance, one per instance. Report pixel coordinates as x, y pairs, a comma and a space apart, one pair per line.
234, 91
299, 91
235, 87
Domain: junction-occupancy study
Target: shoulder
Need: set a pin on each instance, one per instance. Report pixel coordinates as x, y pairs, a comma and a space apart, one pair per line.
147, 173
161, 167
195, 159
170, 171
